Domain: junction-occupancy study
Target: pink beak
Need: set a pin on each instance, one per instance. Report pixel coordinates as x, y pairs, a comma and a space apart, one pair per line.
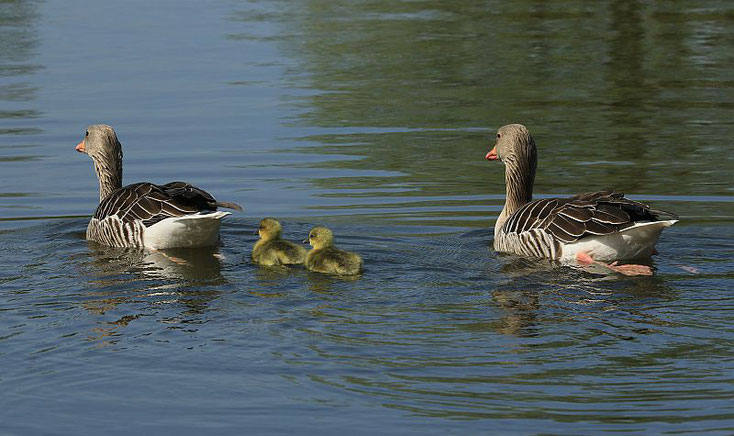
492, 155
80, 147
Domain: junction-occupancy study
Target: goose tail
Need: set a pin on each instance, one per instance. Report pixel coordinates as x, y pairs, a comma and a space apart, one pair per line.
228, 205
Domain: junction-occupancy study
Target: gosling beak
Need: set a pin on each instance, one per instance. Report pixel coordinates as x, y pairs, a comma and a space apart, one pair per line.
305, 241
492, 155
256, 232
80, 147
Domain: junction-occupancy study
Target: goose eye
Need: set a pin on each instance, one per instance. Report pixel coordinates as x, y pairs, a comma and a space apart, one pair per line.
498, 136
87, 134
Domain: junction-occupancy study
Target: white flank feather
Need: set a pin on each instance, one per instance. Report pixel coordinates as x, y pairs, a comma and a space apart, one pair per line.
196, 230
635, 242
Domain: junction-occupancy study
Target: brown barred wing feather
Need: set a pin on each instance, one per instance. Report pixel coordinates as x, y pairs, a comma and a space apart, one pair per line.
593, 213
150, 203
530, 216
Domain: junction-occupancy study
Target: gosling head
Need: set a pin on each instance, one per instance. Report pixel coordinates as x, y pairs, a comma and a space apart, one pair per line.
320, 237
514, 146
269, 228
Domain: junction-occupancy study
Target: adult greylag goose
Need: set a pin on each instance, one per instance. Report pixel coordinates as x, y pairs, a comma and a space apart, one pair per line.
272, 249
326, 258
145, 214
588, 228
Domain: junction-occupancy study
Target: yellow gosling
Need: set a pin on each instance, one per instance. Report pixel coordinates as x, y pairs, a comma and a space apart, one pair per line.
326, 258
271, 249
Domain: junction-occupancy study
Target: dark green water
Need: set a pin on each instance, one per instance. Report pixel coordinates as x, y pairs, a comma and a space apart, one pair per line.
372, 117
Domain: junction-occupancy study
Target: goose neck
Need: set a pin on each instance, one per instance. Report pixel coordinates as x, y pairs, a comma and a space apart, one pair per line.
109, 174
519, 181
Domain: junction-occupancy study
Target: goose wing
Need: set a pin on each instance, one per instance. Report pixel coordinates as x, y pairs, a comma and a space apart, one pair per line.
593, 213
151, 203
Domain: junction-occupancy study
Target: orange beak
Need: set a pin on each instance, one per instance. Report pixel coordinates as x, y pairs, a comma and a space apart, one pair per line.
80, 147
492, 155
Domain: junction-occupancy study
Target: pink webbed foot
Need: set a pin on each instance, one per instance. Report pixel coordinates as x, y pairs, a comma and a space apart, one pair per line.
583, 258
631, 269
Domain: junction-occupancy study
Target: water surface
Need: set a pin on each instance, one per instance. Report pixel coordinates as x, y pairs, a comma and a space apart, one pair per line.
372, 117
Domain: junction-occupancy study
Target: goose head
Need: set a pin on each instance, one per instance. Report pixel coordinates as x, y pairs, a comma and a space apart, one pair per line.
101, 145
320, 237
514, 146
269, 228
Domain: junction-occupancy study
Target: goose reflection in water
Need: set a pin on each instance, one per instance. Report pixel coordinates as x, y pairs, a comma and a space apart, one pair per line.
188, 264
138, 281
535, 289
